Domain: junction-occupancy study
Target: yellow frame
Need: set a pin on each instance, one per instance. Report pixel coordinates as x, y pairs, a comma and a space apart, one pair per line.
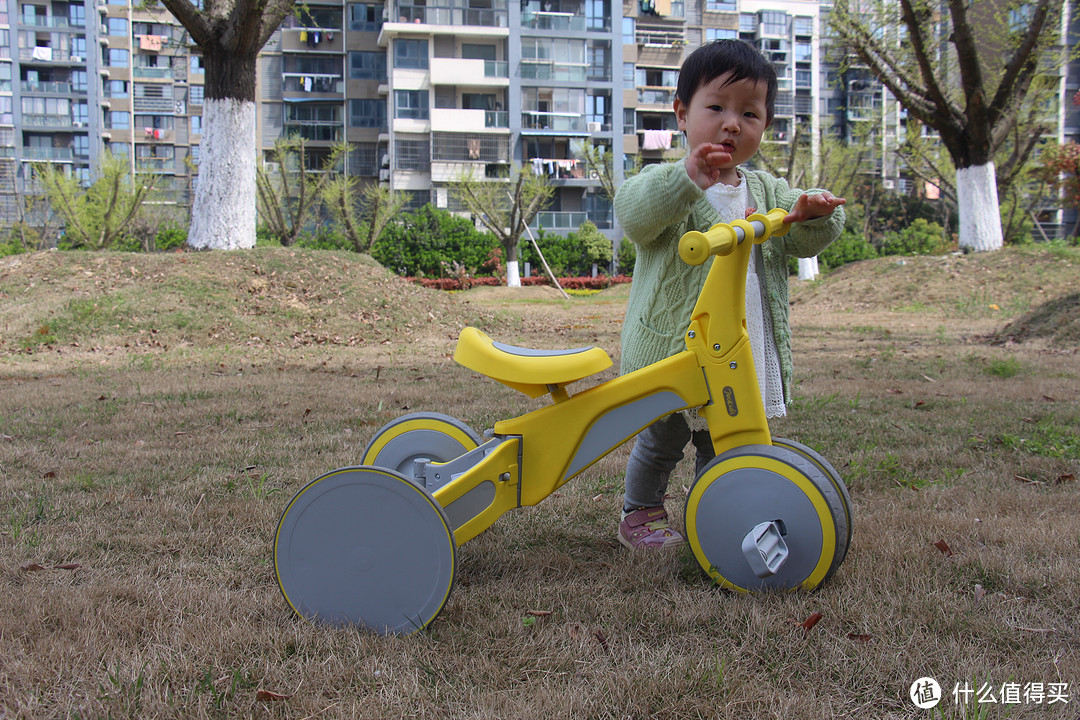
531, 456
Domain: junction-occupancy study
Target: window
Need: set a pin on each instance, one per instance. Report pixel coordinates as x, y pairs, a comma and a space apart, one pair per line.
478, 52
803, 52
116, 88
116, 57
118, 120
411, 104
193, 153
80, 145
628, 31
804, 25
116, 26
80, 113
196, 124
411, 54
774, 22
118, 149
712, 34
77, 14
599, 66
721, 5
598, 109
367, 65
196, 64
195, 94
78, 80
748, 23
366, 17
367, 113
412, 154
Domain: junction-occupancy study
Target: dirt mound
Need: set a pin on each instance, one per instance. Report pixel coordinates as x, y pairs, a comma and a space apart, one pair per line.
1056, 321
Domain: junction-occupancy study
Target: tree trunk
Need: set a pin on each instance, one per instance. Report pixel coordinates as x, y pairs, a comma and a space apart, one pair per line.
513, 276
223, 210
808, 268
980, 216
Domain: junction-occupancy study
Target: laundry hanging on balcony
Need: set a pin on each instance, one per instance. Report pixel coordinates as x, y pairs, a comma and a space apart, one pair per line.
656, 140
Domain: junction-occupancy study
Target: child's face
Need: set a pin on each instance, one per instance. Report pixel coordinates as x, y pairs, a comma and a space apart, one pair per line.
732, 115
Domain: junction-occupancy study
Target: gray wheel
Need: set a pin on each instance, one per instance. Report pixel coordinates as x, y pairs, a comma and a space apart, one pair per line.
845, 499
765, 517
365, 546
434, 436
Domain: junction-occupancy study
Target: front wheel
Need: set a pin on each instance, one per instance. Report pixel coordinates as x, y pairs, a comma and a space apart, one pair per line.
365, 546
765, 517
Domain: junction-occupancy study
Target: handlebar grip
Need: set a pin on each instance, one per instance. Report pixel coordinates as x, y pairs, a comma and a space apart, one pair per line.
696, 247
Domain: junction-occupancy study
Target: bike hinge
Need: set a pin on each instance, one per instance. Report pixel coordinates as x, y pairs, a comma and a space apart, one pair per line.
558, 393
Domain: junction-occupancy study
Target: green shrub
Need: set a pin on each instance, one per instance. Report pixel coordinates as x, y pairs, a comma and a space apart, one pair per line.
921, 237
325, 238
572, 254
850, 247
429, 241
626, 258
170, 236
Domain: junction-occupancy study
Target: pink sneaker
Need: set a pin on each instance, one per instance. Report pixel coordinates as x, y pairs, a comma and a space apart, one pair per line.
648, 529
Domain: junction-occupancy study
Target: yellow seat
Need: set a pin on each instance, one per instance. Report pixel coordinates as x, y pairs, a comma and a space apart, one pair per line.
533, 372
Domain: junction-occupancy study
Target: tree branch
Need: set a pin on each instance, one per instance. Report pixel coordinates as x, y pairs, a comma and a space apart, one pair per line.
195, 22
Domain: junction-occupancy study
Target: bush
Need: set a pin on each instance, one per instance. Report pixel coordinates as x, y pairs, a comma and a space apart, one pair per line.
429, 241
624, 261
571, 254
325, 238
921, 237
850, 247
170, 236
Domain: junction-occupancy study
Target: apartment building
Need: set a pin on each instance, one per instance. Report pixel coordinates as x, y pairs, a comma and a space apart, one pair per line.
423, 91
77, 79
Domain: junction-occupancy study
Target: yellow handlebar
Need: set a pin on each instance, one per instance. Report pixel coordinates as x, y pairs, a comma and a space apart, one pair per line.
696, 247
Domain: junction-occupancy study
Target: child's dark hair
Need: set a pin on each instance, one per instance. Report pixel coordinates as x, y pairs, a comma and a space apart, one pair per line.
720, 57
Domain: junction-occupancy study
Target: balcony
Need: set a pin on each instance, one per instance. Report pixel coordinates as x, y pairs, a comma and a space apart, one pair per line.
453, 17
155, 105
653, 96
559, 21
315, 130
157, 73
48, 55
51, 88
561, 171
48, 121
155, 164
531, 69
312, 84
551, 220
457, 120
47, 153
468, 72
660, 37
50, 21
553, 122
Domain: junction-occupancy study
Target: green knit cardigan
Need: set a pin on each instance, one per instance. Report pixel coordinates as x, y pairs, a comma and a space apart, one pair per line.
655, 208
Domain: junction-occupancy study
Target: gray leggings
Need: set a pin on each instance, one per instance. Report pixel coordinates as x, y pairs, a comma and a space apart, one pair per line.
657, 450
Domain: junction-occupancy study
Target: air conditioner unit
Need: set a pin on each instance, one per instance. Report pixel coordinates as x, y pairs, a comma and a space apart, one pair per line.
77, 123
384, 176
76, 58
889, 184
595, 127
386, 15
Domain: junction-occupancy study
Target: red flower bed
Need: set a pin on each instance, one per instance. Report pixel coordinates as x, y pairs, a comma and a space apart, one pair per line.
569, 283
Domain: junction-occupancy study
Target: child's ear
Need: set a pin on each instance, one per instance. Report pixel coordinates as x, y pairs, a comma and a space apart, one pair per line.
680, 113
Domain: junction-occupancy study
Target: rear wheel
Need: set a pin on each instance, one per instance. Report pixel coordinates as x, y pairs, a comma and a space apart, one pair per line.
434, 436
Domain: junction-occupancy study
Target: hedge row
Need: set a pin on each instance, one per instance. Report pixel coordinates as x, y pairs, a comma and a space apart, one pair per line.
568, 283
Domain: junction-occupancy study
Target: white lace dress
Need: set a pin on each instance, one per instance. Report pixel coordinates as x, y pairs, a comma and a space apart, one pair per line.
731, 203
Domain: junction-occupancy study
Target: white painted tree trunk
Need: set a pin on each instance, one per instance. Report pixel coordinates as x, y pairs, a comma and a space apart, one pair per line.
223, 211
808, 268
513, 278
980, 216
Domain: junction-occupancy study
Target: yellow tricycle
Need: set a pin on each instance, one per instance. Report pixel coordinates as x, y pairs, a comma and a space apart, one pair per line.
376, 545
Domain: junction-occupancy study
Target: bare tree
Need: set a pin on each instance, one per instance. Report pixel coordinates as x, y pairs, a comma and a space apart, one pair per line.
506, 211
230, 34
963, 68
289, 193
98, 216
363, 213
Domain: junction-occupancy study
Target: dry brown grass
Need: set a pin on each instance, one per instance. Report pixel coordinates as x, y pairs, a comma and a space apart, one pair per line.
157, 412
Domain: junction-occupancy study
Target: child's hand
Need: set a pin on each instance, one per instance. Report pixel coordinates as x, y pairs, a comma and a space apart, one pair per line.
808, 207
703, 164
